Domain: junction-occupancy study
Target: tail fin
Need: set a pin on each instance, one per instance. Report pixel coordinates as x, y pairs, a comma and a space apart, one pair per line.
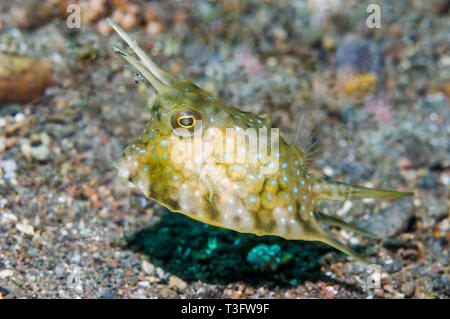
342, 191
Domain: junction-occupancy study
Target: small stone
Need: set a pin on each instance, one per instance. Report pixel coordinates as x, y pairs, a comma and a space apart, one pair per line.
3, 292
45, 138
403, 162
177, 283
428, 182
408, 289
110, 294
390, 221
60, 272
361, 56
25, 228
25, 148
5, 273
9, 167
147, 267
2, 143
144, 284
40, 152
23, 79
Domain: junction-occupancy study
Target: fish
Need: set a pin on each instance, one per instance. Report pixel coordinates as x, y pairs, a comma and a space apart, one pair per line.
217, 164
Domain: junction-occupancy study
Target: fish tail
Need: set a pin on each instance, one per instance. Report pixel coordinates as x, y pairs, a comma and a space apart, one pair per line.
341, 191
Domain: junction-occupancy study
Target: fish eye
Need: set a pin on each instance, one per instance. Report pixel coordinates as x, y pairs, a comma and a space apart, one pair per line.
186, 122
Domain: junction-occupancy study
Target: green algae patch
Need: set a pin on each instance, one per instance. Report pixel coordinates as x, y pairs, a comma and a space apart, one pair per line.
195, 251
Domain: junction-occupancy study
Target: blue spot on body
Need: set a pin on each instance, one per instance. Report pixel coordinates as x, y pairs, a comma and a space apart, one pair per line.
164, 143
165, 157
145, 168
169, 169
286, 196
304, 197
150, 136
295, 190
152, 148
273, 183
253, 199
302, 182
269, 197
285, 178
140, 138
277, 155
155, 157
186, 89
303, 208
175, 177
284, 165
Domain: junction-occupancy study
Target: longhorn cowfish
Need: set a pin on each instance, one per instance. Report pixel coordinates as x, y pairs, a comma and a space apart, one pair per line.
231, 183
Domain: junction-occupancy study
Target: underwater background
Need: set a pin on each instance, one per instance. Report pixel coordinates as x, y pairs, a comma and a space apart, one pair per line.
378, 96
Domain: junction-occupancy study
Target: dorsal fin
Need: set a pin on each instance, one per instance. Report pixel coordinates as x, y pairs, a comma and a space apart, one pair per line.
306, 141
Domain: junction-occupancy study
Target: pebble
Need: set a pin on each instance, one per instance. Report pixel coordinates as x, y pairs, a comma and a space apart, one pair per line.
147, 267
5, 273
390, 221
25, 228
177, 283
428, 182
361, 56
60, 272
9, 167
2, 143
24, 79
40, 152
408, 289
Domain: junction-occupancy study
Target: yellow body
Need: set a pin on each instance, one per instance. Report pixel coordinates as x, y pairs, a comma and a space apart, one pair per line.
229, 185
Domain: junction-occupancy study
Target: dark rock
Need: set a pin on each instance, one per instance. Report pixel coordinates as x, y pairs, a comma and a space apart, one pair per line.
110, 294
4, 291
390, 221
417, 151
428, 182
360, 56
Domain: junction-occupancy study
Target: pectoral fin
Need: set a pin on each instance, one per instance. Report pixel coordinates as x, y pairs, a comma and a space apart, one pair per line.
333, 221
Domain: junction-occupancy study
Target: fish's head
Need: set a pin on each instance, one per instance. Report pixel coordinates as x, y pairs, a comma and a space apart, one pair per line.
166, 154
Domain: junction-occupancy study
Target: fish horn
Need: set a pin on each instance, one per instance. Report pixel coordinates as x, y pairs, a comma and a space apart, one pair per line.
153, 71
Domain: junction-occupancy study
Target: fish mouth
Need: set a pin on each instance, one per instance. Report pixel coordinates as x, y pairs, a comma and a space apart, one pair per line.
122, 167
129, 169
